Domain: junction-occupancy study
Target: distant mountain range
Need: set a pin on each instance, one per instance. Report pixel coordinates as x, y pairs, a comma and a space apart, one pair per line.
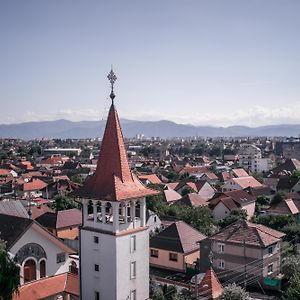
92, 129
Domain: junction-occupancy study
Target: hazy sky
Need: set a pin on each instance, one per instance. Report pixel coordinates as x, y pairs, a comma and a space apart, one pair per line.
203, 62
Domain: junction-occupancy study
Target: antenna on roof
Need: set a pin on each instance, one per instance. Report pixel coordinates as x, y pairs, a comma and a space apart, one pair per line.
112, 78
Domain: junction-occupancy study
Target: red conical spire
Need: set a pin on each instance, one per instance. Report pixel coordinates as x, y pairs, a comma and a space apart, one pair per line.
113, 179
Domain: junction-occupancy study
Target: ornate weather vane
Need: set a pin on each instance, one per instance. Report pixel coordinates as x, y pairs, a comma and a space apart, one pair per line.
112, 78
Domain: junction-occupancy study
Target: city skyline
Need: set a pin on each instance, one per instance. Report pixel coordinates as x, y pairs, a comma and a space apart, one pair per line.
202, 63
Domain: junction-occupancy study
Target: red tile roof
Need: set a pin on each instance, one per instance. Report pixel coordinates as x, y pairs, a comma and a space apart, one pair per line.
193, 200
113, 180
150, 177
245, 182
178, 237
39, 210
286, 206
68, 218
253, 234
240, 172
171, 195
49, 286
34, 185
210, 286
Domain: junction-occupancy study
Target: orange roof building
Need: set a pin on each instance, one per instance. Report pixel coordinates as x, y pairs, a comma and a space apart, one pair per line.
210, 286
114, 216
65, 285
113, 180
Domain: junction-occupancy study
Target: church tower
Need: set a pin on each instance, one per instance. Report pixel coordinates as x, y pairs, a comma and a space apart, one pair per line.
114, 240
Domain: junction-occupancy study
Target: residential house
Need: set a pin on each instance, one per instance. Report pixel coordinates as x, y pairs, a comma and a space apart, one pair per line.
288, 184
243, 248
64, 223
223, 204
236, 173
193, 200
149, 179
205, 189
153, 222
286, 207
240, 183
31, 189
176, 247
287, 168
170, 195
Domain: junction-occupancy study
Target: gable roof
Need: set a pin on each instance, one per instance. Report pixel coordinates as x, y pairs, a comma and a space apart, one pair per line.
38, 210
252, 234
286, 206
245, 182
193, 200
49, 286
171, 195
13, 208
239, 172
68, 218
12, 229
287, 167
34, 185
178, 237
113, 180
287, 183
150, 177
210, 286
233, 199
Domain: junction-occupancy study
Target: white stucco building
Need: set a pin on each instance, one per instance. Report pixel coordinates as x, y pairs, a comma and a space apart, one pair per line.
37, 252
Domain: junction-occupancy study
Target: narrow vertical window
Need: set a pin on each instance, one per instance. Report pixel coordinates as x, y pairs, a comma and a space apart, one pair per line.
133, 270
132, 243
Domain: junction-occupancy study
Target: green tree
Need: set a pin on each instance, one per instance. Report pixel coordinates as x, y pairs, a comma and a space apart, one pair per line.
186, 190
296, 174
293, 291
9, 275
263, 200
291, 266
77, 179
62, 202
234, 292
292, 232
215, 151
277, 222
235, 215
277, 199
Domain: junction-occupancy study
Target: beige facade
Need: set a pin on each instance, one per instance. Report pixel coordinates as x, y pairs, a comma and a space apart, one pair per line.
166, 259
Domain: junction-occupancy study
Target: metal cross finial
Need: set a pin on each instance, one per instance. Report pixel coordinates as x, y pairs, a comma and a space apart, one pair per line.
112, 78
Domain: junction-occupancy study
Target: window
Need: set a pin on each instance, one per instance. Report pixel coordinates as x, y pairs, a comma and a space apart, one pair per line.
153, 253
221, 248
155, 219
42, 269
97, 295
133, 269
270, 269
60, 257
96, 240
173, 256
96, 267
132, 243
222, 264
133, 295
270, 250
